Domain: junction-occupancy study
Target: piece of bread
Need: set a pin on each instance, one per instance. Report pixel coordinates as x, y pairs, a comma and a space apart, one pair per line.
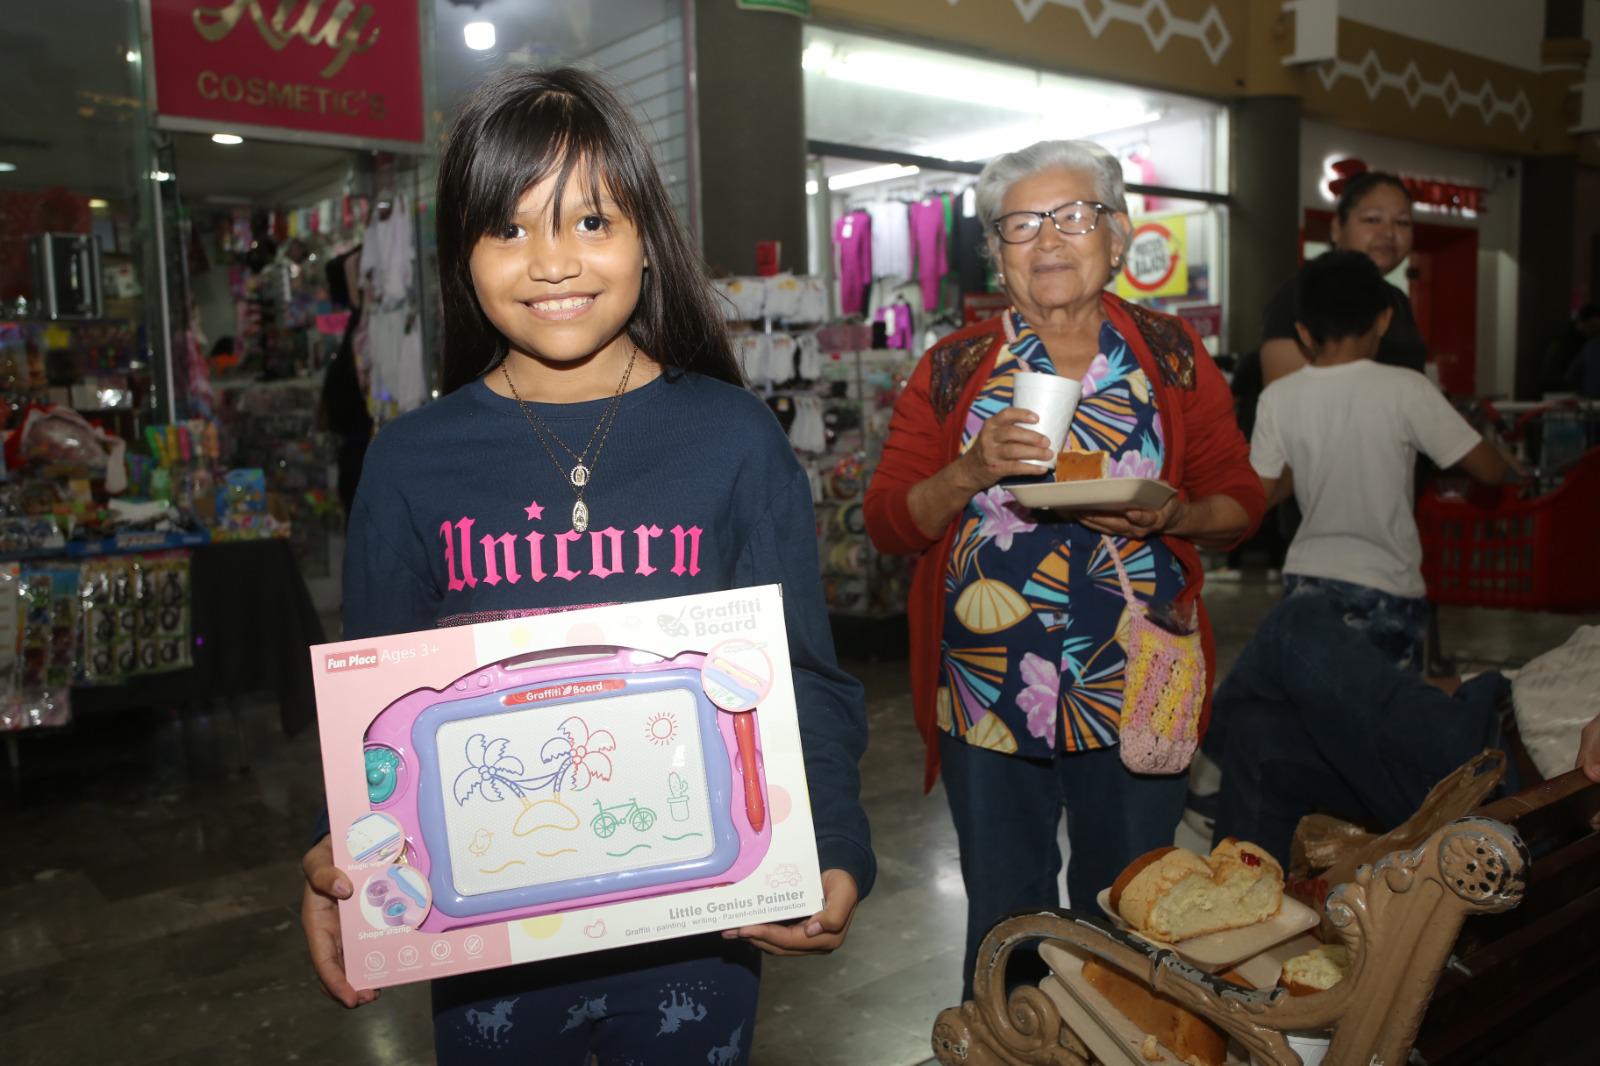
1315, 971
1082, 466
1185, 1034
1172, 894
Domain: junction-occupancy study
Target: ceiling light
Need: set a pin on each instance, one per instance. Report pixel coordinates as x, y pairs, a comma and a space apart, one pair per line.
6, 168
853, 178
1064, 108
969, 83
479, 35
161, 175
817, 56
131, 56
97, 204
811, 188
227, 138
1111, 116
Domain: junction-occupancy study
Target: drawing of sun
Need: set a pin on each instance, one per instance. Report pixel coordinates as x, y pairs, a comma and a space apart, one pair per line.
661, 728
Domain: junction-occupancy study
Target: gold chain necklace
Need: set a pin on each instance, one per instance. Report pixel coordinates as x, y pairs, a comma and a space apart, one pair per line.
583, 468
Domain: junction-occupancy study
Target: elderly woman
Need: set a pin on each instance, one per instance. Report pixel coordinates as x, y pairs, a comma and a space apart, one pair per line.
1021, 703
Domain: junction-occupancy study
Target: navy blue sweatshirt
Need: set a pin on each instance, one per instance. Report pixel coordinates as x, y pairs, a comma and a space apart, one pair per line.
461, 517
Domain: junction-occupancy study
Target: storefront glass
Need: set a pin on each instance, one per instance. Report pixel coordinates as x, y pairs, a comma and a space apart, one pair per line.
74, 160
871, 101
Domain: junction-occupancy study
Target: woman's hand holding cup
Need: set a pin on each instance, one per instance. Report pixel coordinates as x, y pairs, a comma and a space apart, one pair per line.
1008, 438
1054, 399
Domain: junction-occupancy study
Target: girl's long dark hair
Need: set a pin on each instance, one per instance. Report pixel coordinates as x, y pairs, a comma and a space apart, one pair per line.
519, 128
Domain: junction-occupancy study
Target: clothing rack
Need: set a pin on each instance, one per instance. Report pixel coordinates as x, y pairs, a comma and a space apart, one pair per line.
909, 188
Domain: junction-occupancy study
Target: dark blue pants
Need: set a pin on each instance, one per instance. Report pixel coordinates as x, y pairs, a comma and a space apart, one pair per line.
1396, 625
1319, 720
689, 1001
1006, 810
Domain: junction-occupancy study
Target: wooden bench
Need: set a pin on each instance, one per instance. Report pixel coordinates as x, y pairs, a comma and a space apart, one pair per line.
1505, 971
1417, 975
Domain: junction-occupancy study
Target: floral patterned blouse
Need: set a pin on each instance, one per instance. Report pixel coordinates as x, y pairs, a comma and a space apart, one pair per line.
1032, 658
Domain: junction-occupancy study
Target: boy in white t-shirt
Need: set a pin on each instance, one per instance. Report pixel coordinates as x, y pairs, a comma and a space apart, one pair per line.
1343, 435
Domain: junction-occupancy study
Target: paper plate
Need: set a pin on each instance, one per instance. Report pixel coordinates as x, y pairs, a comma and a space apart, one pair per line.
1218, 951
1101, 494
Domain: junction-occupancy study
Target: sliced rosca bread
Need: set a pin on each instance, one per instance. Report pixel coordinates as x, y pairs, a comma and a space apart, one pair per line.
1185, 1033
1173, 894
1315, 971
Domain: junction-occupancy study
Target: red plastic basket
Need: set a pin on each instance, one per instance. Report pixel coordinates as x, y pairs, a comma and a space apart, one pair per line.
1491, 549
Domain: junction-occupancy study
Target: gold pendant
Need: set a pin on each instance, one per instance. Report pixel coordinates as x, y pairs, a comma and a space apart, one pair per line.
580, 476
580, 517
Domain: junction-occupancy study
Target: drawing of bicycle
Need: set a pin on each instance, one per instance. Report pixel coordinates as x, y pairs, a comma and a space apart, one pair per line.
605, 823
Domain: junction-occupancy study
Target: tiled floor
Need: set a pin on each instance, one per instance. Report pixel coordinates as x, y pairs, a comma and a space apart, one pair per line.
148, 893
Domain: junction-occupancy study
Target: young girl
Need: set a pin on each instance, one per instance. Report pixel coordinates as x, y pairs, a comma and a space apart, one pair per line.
594, 446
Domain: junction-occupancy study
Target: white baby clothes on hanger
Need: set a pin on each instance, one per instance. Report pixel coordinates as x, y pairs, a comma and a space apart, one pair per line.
812, 305
783, 296
743, 299
808, 433
780, 358
752, 350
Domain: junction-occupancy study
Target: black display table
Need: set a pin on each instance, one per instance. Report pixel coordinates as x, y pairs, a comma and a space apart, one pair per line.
252, 620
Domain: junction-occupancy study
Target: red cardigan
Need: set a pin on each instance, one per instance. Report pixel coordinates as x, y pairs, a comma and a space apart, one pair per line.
1205, 455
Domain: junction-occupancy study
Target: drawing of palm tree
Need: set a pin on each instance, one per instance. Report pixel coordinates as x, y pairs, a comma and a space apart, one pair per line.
574, 757
582, 755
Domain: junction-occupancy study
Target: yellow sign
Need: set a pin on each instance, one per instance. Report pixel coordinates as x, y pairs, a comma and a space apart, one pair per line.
1157, 260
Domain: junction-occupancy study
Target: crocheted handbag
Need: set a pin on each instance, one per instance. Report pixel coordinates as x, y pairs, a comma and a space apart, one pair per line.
1164, 686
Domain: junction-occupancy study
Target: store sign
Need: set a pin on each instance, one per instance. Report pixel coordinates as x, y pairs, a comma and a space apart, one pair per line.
802, 8
978, 306
1445, 195
335, 68
1156, 263
1205, 318
768, 256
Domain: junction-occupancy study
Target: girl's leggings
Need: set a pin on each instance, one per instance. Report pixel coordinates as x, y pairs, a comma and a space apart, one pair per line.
689, 1001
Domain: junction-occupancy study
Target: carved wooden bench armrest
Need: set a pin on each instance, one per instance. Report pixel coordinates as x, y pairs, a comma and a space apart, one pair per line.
1399, 918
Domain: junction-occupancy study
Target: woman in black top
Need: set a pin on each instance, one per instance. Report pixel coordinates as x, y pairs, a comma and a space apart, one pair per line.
1373, 217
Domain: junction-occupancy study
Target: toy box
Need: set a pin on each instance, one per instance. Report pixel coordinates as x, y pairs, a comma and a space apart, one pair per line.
564, 783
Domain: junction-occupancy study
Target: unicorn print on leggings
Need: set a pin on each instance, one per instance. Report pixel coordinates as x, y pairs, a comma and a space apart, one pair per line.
726, 1053
492, 1023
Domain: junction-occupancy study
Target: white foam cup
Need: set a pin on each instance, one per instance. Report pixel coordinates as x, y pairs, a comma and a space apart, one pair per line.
1054, 399
1311, 1047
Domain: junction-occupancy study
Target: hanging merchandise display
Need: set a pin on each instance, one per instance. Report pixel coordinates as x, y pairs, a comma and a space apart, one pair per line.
329, 341
392, 353
832, 387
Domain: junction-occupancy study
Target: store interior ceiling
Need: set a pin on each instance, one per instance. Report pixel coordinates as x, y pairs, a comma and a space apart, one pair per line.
892, 97
70, 79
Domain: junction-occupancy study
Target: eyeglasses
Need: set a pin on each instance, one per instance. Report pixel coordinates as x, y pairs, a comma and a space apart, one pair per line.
1073, 219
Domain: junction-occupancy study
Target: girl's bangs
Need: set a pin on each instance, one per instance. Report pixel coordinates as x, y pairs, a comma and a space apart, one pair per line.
550, 136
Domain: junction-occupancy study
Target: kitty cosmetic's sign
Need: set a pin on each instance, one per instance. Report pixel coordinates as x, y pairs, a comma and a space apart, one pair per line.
325, 69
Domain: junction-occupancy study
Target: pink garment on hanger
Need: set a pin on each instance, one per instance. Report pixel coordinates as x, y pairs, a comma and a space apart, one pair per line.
928, 244
852, 243
898, 329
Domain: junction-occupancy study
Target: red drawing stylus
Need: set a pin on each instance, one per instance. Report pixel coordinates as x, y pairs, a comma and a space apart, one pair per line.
744, 731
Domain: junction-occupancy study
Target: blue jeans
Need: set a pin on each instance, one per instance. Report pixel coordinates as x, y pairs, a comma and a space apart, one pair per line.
1006, 809
1396, 625
688, 1001
1319, 721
